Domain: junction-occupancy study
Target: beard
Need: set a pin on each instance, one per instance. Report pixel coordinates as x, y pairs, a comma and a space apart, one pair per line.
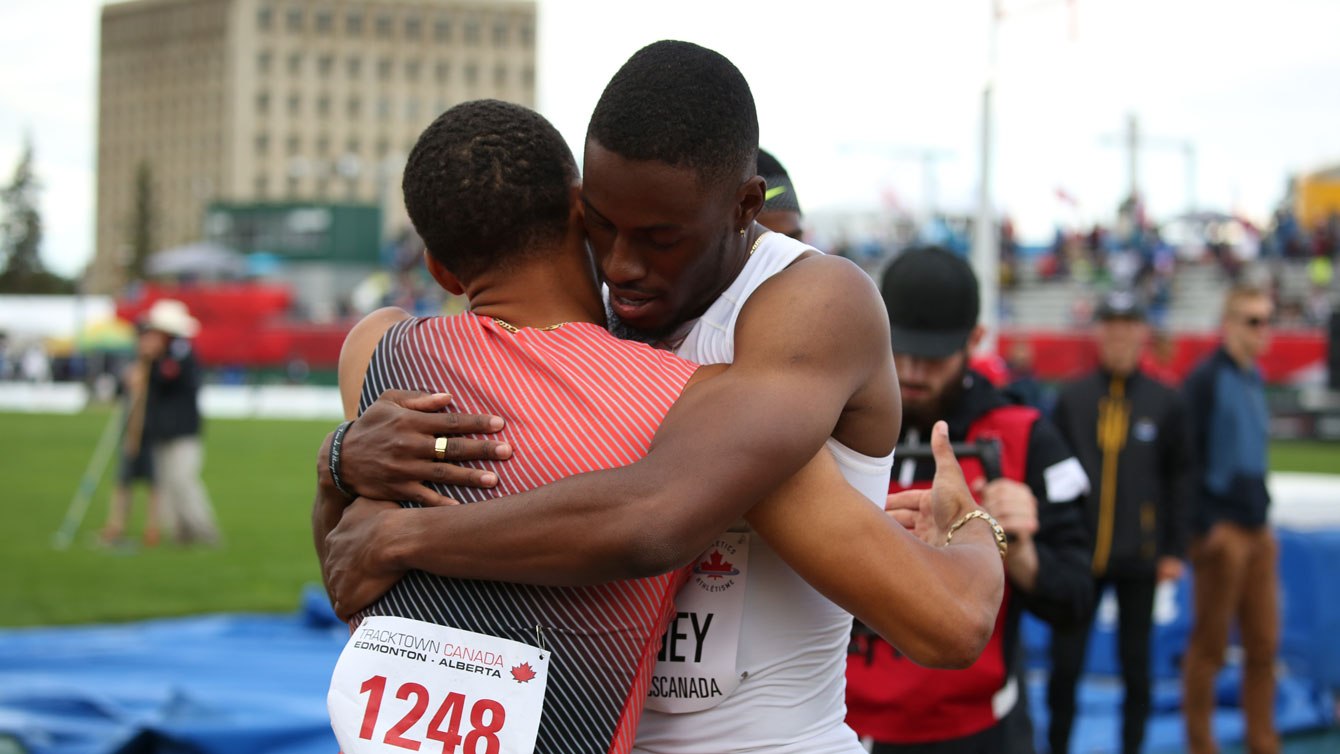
923, 415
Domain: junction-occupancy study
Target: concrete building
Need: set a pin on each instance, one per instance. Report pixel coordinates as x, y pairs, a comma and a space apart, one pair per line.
289, 101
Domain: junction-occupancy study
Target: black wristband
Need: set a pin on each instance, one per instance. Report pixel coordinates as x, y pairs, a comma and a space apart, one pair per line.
335, 443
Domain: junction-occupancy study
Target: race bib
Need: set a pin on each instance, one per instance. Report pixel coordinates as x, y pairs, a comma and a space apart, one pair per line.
403, 684
695, 669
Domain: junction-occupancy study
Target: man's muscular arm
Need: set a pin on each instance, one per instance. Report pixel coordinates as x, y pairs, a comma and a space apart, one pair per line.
809, 342
937, 605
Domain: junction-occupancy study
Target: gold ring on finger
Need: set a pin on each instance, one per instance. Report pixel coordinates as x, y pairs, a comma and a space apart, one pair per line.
440, 448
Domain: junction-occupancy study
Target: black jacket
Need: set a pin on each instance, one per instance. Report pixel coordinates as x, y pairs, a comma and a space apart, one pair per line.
1132, 435
171, 409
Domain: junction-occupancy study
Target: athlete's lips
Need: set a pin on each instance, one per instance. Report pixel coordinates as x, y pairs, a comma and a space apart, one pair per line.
628, 304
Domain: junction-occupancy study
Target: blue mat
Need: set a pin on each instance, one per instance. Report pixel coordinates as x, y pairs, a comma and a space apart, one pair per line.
216, 684
228, 684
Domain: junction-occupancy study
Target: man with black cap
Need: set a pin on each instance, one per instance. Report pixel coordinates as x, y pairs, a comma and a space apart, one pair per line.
781, 206
1130, 433
932, 299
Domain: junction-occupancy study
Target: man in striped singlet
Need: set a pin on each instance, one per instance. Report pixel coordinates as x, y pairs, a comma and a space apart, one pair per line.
756, 654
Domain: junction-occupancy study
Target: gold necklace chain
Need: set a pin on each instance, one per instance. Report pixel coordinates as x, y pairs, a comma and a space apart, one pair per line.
509, 327
758, 241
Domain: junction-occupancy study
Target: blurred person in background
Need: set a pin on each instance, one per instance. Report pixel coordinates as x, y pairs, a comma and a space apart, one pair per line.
1130, 433
932, 299
172, 422
1234, 554
781, 206
137, 463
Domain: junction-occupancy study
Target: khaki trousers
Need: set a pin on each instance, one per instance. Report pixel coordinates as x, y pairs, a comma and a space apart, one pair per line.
1236, 572
186, 512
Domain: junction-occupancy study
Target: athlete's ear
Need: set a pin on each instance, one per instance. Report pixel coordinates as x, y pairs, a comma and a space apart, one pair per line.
449, 282
749, 200
975, 338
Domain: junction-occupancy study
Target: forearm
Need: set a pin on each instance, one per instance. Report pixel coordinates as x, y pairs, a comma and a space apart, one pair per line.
571, 533
1021, 564
328, 504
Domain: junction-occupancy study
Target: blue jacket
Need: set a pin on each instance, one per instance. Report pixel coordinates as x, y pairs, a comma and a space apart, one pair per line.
1231, 427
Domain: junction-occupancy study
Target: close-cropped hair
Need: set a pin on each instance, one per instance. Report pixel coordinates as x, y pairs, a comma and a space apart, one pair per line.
487, 184
681, 104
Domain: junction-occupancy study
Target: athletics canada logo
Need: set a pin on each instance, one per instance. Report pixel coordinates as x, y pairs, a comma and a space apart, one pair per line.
715, 573
523, 673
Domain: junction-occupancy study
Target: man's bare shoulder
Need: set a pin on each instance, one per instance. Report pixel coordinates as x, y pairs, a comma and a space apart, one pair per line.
818, 296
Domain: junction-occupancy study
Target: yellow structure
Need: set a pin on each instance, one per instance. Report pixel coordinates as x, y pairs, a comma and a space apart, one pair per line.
1317, 196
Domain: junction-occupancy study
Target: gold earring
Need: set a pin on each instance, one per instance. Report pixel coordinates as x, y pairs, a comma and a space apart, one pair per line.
743, 230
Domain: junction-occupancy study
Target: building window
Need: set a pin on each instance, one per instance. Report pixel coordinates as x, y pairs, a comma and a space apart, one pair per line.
323, 105
500, 76
262, 184
352, 146
294, 104
442, 29
471, 73
263, 61
295, 64
353, 66
384, 108
263, 103
384, 69
528, 77
384, 26
295, 18
324, 21
412, 109
413, 27
322, 144
324, 64
262, 144
265, 17
412, 70
353, 23
527, 35
354, 107
292, 187
443, 71
383, 148
472, 32
500, 34
294, 144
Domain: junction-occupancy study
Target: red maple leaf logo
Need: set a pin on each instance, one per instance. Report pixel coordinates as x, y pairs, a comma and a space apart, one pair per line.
716, 566
523, 672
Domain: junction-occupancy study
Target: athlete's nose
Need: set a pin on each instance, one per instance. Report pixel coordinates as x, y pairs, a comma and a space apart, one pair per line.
621, 264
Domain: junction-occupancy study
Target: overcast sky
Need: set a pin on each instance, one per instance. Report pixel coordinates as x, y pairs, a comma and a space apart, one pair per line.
849, 92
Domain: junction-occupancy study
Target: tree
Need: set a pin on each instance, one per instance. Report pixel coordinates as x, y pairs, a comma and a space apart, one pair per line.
142, 222
21, 234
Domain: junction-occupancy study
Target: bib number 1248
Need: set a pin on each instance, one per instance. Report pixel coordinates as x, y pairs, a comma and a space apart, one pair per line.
486, 719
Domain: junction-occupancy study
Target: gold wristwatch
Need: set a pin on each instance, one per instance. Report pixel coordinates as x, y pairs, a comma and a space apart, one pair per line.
998, 532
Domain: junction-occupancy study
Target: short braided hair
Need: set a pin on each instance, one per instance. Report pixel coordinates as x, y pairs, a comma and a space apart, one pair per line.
487, 183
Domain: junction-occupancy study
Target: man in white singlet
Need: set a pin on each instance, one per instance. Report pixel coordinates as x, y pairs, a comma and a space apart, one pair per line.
670, 197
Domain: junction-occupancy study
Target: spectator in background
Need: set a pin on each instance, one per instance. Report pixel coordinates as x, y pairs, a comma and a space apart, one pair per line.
1233, 552
1130, 433
781, 206
933, 304
137, 463
172, 422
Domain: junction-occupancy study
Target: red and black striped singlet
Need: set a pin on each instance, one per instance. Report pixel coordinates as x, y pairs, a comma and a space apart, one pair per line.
575, 399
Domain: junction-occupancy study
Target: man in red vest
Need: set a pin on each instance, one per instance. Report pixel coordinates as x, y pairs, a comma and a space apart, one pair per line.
932, 299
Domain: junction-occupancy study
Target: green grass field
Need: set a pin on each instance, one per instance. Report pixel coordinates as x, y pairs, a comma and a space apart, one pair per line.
259, 474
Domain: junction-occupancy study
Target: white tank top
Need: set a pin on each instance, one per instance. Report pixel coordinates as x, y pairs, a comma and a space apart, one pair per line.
792, 656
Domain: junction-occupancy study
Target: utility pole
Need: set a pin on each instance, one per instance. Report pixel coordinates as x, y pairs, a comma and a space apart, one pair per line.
1134, 141
985, 245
